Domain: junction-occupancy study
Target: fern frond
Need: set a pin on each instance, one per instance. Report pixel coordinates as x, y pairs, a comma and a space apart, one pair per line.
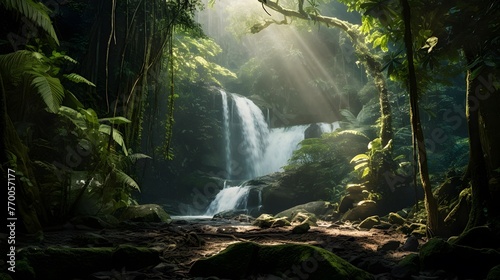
74, 116
352, 133
134, 157
14, 65
50, 89
124, 178
34, 11
78, 79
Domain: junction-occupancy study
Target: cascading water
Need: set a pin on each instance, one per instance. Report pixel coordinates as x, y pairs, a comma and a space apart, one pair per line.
253, 149
227, 132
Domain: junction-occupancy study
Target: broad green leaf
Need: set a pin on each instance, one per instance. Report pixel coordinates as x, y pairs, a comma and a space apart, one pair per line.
115, 120
360, 157
361, 165
117, 136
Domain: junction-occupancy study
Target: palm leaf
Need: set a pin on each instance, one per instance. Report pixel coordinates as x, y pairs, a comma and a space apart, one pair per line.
50, 89
14, 65
78, 79
122, 177
74, 116
34, 11
116, 120
117, 136
134, 157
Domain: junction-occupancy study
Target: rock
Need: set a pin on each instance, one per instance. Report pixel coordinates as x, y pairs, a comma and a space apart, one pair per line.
383, 225
390, 245
304, 217
461, 260
411, 244
369, 222
90, 239
313, 131
417, 229
150, 213
267, 221
318, 208
478, 237
346, 203
494, 273
245, 259
229, 214
408, 266
94, 222
73, 263
301, 228
363, 210
355, 188
396, 219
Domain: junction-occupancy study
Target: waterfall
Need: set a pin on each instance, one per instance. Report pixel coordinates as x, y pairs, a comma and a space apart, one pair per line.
227, 132
252, 149
254, 131
229, 198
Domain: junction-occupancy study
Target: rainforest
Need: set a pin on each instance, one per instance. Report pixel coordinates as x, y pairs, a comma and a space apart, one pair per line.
259, 139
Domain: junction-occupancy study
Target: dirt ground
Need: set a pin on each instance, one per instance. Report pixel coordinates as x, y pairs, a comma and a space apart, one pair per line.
182, 242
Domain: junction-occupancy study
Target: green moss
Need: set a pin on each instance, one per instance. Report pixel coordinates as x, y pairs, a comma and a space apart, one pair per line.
57, 262
494, 273
287, 260
5, 276
234, 262
408, 266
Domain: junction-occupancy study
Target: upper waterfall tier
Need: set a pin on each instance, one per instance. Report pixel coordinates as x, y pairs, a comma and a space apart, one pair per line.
251, 148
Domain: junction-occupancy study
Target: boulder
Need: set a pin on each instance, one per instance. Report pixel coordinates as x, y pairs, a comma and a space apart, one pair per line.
149, 213
268, 221
363, 210
71, 263
462, 260
286, 261
369, 222
390, 245
478, 237
408, 266
313, 131
411, 244
304, 217
494, 273
230, 214
301, 228
318, 208
396, 219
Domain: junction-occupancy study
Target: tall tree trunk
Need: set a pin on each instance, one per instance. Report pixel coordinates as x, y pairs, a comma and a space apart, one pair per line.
434, 224
484, 158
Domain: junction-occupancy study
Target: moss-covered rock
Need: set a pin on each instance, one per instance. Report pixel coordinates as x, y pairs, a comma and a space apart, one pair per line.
150, 213
318, 208
494, 273
363, 210
478, 237
268, 221
396, 219
5, 276
369, 222
462, 260
287, 261
304, 217
301, 228
69, 263
408, 266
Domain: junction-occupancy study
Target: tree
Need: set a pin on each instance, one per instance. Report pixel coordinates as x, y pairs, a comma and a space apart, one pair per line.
369, 60
446, 33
